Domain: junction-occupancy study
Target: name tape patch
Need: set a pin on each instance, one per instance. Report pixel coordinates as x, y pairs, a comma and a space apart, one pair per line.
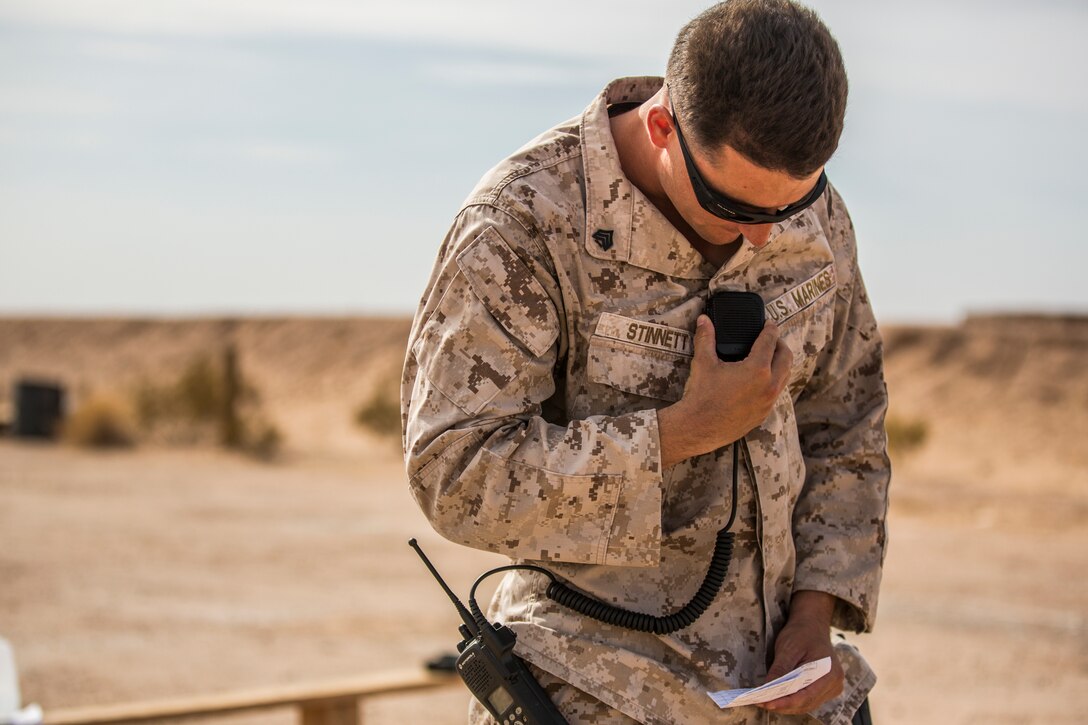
803, 295
646, 334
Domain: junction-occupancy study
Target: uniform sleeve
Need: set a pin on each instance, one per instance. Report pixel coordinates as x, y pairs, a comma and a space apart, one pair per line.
839, 519
483, 464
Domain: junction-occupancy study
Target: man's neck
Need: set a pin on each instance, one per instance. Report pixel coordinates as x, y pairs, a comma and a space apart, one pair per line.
636, 154
639, 164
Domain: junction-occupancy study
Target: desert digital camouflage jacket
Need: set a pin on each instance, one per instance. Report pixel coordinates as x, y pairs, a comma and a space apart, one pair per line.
558, 318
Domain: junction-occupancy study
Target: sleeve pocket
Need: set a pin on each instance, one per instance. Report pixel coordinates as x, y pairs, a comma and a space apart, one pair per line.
507, 287
463, 353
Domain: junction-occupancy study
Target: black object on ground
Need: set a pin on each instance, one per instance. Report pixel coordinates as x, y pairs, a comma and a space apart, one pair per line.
39, 407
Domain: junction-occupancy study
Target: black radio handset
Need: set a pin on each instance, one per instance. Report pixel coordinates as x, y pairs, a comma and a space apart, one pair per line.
738, 319
494, 675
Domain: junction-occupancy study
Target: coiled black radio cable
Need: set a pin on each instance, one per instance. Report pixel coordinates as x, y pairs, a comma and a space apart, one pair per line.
569, 597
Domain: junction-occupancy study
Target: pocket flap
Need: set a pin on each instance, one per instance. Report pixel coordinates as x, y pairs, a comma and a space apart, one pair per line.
637, 369
507, 287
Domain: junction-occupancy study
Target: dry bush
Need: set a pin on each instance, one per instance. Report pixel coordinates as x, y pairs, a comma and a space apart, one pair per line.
380, 413
262, 440
102, 421
199, 394
153, 403
210, 400
200, 390
905, 435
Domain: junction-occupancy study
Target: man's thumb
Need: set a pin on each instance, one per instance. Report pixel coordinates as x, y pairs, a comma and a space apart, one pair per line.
775, 672
705, 342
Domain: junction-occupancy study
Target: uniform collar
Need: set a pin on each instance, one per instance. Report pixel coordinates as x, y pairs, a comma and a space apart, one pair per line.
615, 207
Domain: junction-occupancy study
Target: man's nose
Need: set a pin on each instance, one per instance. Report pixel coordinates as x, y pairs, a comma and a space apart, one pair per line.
757, 234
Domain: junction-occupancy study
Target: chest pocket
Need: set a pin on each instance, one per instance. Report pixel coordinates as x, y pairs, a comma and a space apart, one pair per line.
636, 369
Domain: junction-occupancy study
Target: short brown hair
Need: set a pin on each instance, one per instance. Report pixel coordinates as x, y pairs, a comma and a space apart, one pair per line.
764, 77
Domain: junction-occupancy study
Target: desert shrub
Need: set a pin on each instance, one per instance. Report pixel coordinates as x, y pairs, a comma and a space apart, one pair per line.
905, 435
196, 395
210, 399
231, 433
380, 413
200, 389
152, 403
101, 421
898, 339
202, 392
262, 440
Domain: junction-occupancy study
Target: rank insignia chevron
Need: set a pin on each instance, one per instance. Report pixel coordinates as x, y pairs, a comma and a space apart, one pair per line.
603, 237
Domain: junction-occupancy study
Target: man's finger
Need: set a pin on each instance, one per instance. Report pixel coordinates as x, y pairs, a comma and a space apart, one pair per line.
803, 700
781, 364
775, 672
764, 346
784, 663
781, 666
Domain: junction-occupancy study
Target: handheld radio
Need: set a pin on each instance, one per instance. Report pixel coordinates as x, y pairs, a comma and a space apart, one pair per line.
494, 675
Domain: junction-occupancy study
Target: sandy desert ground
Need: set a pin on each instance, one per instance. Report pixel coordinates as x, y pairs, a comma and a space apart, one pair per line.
171, 571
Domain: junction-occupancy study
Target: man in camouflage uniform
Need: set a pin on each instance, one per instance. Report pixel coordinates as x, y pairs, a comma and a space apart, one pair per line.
564, 404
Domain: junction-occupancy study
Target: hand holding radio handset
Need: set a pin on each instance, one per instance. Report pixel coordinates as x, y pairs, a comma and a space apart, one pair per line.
723, 401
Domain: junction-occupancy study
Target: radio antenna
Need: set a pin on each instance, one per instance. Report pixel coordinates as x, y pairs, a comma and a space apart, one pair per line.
466, 617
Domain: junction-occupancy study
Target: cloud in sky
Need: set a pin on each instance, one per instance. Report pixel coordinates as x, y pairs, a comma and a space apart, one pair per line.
468, 72
981, 48
127, 50
992, 51
22, 99
568, 26
345, 133
286, 153
1001, 52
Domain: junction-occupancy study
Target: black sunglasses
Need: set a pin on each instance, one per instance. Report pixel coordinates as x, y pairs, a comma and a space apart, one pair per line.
723, 207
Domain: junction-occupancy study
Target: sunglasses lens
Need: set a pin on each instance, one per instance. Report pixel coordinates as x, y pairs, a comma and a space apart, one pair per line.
723, 207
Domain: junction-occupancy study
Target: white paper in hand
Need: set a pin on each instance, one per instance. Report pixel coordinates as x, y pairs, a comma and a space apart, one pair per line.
787, 684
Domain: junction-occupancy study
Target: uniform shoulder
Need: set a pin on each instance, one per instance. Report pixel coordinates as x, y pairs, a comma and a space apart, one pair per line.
545, 172
834, 219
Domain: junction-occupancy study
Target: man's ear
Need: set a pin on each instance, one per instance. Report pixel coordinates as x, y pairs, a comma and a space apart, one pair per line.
659, 123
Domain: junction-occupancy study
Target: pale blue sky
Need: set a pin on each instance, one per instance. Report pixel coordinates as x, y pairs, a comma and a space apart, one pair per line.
270, 156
